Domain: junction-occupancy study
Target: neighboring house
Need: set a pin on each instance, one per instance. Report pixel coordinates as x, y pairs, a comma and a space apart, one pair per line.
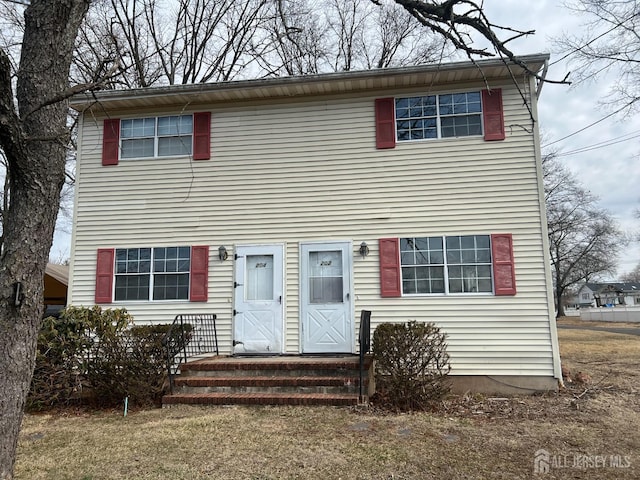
287, 205
56, 280
611, 293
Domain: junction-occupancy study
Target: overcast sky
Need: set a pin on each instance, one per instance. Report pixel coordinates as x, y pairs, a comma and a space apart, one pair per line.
612, 173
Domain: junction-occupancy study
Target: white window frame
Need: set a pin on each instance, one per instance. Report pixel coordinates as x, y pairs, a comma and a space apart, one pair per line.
445, 265
152, 275
438, 117
157, 136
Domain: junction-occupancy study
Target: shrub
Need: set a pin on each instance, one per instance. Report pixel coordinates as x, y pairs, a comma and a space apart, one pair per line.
412, 365
57, 378
100, 351
128, 363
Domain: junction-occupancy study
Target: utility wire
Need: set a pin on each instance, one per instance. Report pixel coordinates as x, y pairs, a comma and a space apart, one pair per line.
606, 143
586, 127
602, 144
626, 136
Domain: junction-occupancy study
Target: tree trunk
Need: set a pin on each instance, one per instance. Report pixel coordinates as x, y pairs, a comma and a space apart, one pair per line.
34, 140
559, 305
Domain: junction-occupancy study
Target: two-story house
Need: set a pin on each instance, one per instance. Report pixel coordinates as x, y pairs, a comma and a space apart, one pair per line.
287, 205
612, 293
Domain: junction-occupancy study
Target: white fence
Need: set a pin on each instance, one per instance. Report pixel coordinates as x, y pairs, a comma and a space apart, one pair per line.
611, 314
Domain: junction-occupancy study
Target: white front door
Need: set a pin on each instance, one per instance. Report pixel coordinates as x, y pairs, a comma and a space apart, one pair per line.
258, 318
325, 296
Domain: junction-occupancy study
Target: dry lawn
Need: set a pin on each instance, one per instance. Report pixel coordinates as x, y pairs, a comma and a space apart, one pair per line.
472, 437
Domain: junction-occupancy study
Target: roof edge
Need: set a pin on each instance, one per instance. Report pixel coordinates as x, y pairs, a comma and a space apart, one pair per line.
81, 101
59, 272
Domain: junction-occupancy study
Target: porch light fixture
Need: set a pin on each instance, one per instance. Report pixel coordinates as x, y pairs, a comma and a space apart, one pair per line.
222, 253
364, 249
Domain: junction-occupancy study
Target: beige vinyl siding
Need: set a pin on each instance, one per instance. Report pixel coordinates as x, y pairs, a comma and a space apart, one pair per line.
296, 170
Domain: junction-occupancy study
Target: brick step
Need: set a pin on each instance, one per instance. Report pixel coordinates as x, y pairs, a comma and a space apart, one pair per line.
302, 384
261, 372
297, 367
277, 380
334, 399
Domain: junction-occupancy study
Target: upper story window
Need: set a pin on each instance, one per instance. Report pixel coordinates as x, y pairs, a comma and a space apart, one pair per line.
446, 265
156, 136
438, 116
152, 273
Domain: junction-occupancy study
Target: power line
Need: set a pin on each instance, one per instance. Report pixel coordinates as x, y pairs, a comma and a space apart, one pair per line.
605, 143
586, 127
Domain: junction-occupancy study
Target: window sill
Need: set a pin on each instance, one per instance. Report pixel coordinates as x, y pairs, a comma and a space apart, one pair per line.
448, 295
145, 302
444, 139
164, 157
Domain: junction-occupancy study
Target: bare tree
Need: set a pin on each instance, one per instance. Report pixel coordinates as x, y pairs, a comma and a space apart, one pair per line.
608, 41
400, 40
341, 35
584, 239
457, 20
632, 276
296, 40
162, 42
34, 138
348, 27
34, 133
380, 37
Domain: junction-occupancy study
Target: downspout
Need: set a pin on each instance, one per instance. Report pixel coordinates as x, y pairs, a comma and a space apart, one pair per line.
553, 330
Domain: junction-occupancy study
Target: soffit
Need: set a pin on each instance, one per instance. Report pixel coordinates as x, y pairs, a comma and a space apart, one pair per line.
484, 71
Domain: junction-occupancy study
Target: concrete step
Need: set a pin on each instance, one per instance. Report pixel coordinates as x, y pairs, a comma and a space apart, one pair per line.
260, 399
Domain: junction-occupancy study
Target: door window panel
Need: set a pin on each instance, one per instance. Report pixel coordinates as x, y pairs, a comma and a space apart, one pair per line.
325, 277
259, 277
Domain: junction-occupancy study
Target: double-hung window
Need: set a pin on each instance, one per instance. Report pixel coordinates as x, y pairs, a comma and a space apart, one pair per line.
156, 136
152, 273
446, 265
438, 116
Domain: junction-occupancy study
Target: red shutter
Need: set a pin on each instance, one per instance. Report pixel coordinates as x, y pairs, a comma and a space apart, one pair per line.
110, 141
199, 291
492, 114
390, 267
202, 136
385, 123
504, 276
104, 275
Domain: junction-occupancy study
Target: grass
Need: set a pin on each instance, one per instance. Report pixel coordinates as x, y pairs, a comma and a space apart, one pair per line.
471, 437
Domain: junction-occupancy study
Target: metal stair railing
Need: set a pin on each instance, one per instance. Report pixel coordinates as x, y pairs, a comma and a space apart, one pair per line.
190, 335
364, 341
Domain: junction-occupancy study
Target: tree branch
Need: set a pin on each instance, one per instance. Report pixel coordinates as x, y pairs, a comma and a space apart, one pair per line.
441, 18
71, 91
